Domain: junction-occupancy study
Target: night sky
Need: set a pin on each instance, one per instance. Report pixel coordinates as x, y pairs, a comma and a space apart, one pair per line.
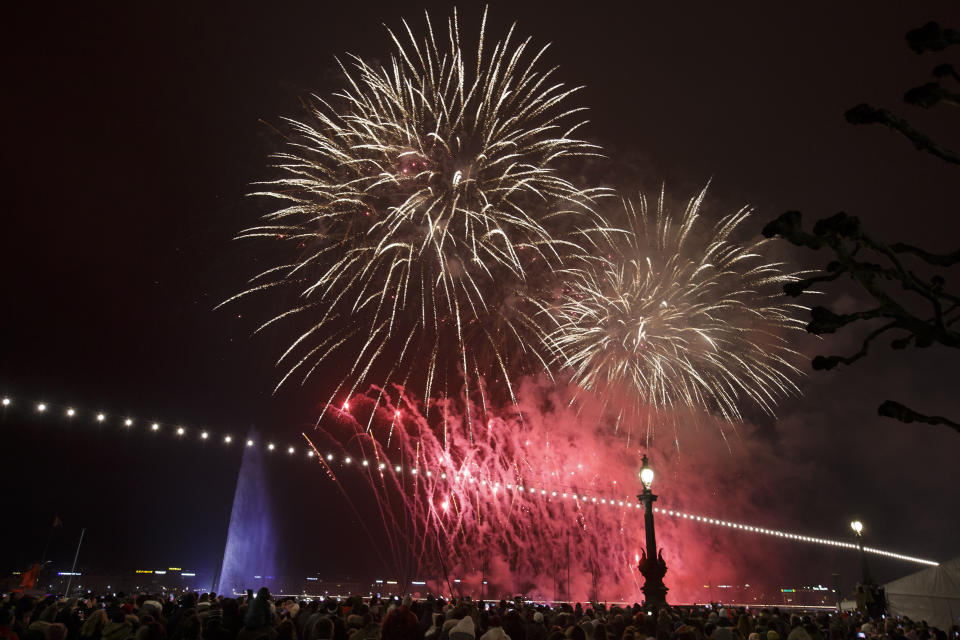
133, 132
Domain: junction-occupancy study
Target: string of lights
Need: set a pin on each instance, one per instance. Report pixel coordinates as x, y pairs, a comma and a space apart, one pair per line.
441, 474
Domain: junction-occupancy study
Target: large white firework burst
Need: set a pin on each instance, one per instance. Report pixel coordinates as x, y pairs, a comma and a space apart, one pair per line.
419, 207
680, 316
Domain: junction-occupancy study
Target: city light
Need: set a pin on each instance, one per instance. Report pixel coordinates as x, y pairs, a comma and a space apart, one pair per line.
534, 492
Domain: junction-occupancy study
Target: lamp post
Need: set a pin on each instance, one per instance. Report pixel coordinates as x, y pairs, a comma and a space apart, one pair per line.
857, 527
870, 598
652, 566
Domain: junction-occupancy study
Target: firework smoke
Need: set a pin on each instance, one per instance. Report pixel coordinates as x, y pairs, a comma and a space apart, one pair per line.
543, 506
419, 211
679, 316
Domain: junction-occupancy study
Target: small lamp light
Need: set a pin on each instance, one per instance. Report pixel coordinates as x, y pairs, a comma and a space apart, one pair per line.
646, 474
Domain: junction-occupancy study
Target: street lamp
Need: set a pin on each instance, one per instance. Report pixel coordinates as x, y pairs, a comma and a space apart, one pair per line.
873, 598
652, 565
646, 475
857, 527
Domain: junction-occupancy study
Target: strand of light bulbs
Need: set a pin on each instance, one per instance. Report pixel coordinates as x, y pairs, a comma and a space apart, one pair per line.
71, 412
520, 489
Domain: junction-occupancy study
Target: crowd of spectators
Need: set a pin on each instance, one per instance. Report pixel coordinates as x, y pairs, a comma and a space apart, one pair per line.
263, 617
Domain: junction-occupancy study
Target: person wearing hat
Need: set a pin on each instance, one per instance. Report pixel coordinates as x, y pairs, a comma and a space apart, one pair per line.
797, 632
93, 625
117, 627
257, 623
534, 627
433, 631
322, 629
401, 624
150, 608
464, 629
495, 632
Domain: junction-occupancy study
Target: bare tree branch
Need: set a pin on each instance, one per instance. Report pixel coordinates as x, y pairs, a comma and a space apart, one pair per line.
856, 255
936, 259
916, 307
892, 409
865, 114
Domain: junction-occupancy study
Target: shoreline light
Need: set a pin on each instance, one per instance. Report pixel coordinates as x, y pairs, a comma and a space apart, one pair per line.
539, 492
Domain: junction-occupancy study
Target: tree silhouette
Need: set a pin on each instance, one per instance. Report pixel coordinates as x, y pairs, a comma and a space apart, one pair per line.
914, 309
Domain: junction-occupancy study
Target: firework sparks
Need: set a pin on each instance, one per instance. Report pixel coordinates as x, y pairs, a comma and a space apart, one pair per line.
419, 213
544, 506
680, 316
479, 506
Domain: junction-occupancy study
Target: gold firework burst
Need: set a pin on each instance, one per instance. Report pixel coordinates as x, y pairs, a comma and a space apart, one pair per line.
680, 315
418, 209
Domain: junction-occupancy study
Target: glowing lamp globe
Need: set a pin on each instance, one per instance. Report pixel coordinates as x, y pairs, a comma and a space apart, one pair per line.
857, 527
646, 474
